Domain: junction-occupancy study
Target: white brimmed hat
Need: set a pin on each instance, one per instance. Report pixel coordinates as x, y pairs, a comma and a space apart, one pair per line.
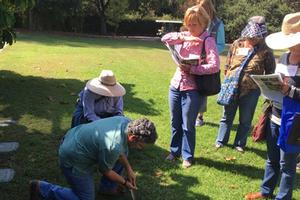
289, 35
106, 85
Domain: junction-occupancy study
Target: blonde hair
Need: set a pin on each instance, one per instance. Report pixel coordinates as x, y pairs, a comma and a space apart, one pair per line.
209, 7
197, 13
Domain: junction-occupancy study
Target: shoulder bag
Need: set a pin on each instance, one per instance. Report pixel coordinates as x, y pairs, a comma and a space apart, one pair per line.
208, 84
229, 87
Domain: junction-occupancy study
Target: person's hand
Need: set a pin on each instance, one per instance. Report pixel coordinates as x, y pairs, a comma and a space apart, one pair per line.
131, 177
130, 186
285, 87
189, 38
192, 39
185, 68
225, 72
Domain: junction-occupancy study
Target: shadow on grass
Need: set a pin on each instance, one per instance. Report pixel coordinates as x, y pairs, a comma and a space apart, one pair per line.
87, 42
235, 168
216, 125
240, 169
32, 100
52, 99
158, 179
259, 152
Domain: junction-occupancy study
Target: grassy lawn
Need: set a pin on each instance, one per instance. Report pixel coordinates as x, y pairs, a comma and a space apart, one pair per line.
40, 77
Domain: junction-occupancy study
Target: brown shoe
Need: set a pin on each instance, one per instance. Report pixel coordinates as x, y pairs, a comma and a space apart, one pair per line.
257, 195
170, 158
34, 190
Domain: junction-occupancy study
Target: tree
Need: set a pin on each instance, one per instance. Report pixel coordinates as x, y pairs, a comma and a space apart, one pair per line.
116, 12
98, 7
56, 15
235, 17
7, 20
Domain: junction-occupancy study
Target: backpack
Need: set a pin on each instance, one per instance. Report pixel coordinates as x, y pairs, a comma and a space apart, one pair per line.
213, 31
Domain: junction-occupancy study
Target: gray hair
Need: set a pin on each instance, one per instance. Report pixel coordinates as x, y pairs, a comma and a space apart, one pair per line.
144, 129
257, 19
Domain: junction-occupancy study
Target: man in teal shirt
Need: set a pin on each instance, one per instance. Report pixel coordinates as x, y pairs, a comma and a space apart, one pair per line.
103, 143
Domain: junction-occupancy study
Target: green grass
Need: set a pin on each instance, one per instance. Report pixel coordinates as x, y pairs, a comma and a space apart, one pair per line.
40, 76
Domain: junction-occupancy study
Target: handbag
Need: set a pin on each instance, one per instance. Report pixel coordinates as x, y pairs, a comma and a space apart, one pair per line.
289, 135
230, 85
207, 84
259, 131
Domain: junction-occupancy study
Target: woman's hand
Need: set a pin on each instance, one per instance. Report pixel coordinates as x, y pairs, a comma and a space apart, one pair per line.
189, 38
285, 87
185, 68
225, 72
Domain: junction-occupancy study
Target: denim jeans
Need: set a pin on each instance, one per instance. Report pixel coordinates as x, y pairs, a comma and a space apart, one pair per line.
184, 107
82, 188
278, 162
246, 105
203, 104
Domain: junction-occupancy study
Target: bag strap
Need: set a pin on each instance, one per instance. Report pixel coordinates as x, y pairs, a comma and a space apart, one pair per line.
248, 58
203, 51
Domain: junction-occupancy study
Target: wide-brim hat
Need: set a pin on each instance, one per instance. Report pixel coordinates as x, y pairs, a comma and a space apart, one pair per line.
289, 35
106, 85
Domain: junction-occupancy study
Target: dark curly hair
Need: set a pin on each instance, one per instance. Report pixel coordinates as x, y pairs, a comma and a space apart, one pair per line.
144, 129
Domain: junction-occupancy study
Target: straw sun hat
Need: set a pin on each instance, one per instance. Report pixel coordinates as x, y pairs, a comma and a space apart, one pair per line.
289, 35
106, 85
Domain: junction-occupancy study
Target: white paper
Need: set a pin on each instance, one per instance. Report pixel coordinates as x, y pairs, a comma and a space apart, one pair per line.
193, 59
242, 51
270, 86
287, 70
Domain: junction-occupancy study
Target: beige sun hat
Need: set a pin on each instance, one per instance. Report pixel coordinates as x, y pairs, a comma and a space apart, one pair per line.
106, 85
289, 35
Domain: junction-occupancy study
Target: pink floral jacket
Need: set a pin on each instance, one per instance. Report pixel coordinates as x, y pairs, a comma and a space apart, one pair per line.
183, 80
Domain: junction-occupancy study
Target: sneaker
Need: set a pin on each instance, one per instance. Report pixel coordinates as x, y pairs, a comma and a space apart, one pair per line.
218, 146
240, 149
34, 190
199, 121
257, 195
298, 166
170, 157
186, 164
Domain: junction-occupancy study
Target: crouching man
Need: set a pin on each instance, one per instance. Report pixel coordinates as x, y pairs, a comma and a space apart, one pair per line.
102, 143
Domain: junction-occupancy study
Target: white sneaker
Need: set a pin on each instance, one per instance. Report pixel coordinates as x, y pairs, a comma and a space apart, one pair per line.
240, 149
199, 122
298, 166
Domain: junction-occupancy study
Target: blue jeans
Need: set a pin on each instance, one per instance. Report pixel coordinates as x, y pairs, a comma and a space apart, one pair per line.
203, 104
246, 105
82, 188
78, 116
278, 162
184, 107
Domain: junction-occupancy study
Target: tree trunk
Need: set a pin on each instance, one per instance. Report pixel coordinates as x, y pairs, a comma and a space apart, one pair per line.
101, 6
103, 28
30, 20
